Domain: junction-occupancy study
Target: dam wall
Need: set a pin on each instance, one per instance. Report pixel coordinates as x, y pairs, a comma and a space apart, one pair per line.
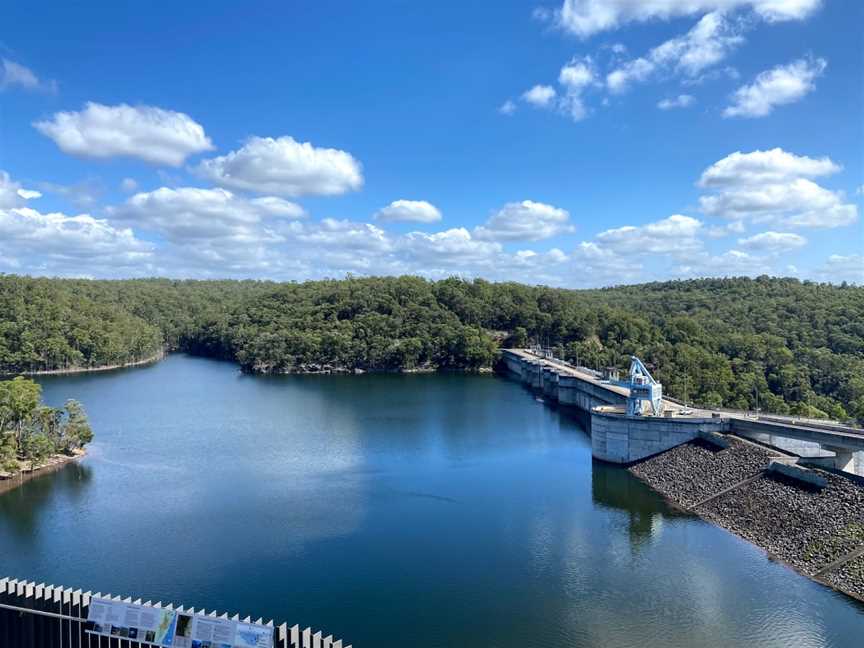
624, 439
619, 438
558, 386
615, 438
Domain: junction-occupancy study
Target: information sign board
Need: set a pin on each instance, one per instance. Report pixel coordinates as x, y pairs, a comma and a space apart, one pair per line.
163, 627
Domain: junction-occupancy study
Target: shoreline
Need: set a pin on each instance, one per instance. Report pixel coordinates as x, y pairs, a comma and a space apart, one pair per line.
80, 370
55, 463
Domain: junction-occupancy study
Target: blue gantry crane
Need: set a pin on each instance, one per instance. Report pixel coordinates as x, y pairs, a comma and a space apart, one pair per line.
646, 394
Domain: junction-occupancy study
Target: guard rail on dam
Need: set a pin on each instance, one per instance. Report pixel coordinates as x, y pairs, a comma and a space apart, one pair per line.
618, 438
47, 616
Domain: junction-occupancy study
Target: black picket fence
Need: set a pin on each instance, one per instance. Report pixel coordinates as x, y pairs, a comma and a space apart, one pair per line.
47, 616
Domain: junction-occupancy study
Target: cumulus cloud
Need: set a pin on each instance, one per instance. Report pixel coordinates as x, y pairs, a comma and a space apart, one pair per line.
540, 96
453, 246
212, 229
69, 244
773, 242
677, 234
775, 187
84, 194
781, 85
573, 78
524, 221
191, 215
128, 185
148, 133
681, 101
587, 17
706, 44
721, 231
286, 167
732, 263
12, 194
417, 211
761, 167
14, 74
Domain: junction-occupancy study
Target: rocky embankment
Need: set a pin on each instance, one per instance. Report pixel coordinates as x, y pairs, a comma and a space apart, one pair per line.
818, 531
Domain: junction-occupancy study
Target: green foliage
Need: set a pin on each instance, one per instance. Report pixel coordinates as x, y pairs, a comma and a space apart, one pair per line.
781, 344
31, 431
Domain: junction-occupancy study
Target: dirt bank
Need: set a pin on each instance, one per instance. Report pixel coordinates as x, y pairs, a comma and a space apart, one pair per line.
77, 370
56, 462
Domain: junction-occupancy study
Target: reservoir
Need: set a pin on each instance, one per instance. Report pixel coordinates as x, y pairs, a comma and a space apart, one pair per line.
431, 510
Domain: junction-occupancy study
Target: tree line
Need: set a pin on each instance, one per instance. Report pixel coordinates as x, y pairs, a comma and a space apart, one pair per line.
782, 344
31, 432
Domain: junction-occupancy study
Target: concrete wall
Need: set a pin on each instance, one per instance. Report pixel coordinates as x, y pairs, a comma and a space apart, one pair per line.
622, 439
561, 387
614, 437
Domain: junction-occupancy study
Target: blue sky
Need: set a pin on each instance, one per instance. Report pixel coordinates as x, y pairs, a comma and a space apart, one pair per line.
587, 143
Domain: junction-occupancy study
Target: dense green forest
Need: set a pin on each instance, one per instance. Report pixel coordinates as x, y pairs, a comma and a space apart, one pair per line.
31, 432
796, 347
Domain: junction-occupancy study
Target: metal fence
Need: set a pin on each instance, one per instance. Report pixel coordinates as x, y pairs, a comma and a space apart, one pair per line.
47, 616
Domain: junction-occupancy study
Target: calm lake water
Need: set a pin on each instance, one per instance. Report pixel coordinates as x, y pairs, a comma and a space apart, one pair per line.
428, 510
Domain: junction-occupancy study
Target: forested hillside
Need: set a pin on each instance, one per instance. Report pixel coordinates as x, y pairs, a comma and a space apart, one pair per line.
797, 347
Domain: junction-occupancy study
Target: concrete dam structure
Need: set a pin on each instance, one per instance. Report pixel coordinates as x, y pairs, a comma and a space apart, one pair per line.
618, 435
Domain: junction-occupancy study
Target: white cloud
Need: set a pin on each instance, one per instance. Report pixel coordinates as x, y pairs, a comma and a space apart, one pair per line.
286, 167
348, 235
797, 203
706, 44
587, 17
781, 85
540, 96
453, 247
84, 194
12, 194
15, 74
196, 215
418, 211
148, 133
575, 77
508, 107
721, 231
838, 268
212, 231
732, 263
773, 242
69, 244
677, 234
761, 167
681, 101
524, 221
774, 187
576, 74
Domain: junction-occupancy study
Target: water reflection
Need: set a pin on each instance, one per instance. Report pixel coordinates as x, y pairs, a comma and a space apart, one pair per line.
22, 507
443, 510
613, 487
